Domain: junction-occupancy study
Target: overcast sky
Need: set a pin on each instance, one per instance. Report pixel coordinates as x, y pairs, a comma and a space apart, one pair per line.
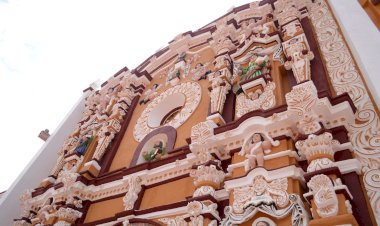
50, 50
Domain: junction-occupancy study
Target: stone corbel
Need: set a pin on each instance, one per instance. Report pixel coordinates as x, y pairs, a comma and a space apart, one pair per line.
298, 55
219, 89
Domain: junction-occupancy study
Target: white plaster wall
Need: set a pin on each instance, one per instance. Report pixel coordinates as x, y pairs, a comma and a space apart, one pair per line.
364, 40
40, 166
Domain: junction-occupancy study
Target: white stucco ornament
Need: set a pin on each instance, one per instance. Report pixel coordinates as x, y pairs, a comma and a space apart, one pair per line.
192, 93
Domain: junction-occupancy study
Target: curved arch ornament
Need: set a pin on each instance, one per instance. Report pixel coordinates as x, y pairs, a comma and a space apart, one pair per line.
193, 94
345, 77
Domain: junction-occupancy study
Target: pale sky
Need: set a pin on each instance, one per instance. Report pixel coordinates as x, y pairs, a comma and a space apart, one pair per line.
51, 50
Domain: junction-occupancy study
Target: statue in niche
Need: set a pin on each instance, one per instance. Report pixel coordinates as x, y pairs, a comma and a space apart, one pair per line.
200, 71
150, 94
254, 149
258, 65
264, 25
84, 142
156, 153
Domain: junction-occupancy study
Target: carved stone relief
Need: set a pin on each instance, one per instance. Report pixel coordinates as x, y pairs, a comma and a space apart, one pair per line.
261, 192
134, 187
300, 101
345, 77
265, 101
324, 195
193, 94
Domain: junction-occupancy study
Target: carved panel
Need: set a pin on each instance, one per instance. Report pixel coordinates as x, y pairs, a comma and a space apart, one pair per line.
345, 77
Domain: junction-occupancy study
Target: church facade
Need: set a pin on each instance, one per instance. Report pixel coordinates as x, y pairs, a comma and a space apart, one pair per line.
261, 117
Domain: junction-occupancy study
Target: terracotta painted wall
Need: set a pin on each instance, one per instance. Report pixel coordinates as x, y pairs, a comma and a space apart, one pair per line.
104, 209
128, 144
372, 10
168, 193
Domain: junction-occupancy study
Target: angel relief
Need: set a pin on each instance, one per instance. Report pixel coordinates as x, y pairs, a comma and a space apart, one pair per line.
261, 192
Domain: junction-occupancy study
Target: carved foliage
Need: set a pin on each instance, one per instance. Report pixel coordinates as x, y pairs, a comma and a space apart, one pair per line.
345, 77
260, 192
208, 174
324, 195
67, 214
300, 102
202, 131
316, 145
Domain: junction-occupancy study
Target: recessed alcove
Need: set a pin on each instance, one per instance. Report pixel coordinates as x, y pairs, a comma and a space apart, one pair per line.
166, 134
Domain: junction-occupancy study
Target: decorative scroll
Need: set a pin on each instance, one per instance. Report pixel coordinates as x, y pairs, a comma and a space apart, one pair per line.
345, 77
261, 192
298, 213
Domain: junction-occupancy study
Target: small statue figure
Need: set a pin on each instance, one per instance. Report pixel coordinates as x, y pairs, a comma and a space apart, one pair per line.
156, 153
200, 71
83, 144
172, 75
150, 94
254, 150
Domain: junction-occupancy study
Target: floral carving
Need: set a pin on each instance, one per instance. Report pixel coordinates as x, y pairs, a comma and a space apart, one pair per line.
317, 145
261, 192
194, 208
318, 164
299, 216
345, 77
202, 131
207, 174
177, 221
302, 98
300, 102
204, 190
324, 195
68, 215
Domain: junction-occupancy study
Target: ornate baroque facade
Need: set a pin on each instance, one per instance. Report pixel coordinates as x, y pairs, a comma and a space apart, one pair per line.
259, 118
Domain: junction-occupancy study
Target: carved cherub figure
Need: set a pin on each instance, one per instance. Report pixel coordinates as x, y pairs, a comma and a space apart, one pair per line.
254, 150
